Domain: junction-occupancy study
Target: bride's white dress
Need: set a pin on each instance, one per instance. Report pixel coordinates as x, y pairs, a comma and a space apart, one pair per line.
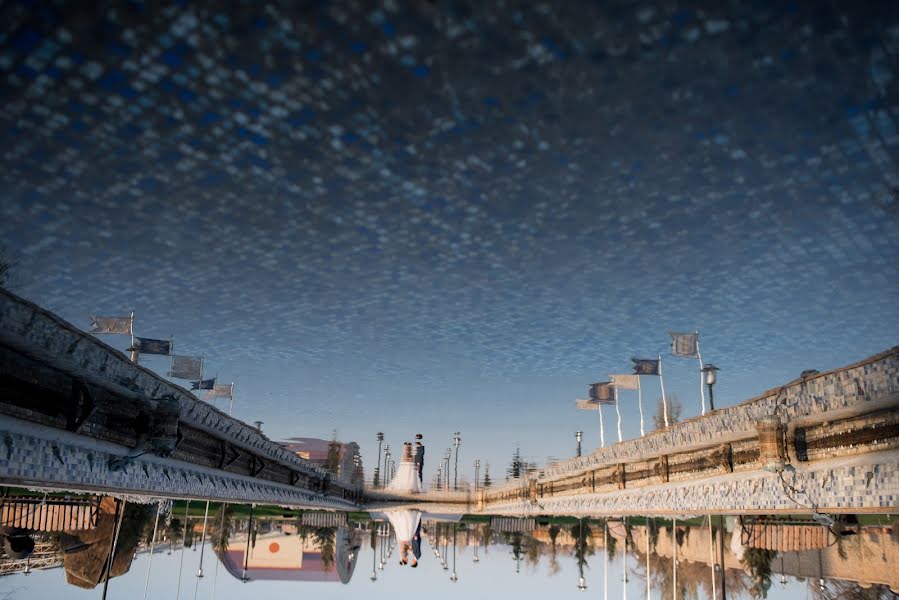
404, 522
406, 478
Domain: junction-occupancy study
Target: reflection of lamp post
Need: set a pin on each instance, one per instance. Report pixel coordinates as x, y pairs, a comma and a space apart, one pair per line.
380, 438
374, 547
457, 441
454, 578
579, 435
710, 379
246, 554
581, 582
477, 470
476, 558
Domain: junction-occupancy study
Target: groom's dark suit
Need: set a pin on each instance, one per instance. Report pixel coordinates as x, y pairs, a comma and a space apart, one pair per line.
419, 458
416, 542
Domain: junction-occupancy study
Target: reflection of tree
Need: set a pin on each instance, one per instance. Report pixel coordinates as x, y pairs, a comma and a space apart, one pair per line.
758, 561
323, 538
848, 590
554, 567
222, 524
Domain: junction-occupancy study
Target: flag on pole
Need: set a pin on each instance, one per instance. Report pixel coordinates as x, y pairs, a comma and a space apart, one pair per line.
646, 366
625, 382
203, 384
587, 404
602, 393
685, 344
186, 367
110, 325
221, 390
150, 346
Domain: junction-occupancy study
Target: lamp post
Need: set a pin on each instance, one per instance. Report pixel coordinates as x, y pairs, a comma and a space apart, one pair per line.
386, 465
710, 379
579, 435
457, 441
446, 468
380, 438
477, 470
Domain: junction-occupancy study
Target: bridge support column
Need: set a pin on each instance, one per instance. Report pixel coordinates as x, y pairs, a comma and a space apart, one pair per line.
772, 450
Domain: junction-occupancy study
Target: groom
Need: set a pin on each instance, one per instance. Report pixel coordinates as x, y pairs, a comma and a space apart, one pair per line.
419, 456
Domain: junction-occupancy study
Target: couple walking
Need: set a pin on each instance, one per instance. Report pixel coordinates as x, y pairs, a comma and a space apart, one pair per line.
408, 474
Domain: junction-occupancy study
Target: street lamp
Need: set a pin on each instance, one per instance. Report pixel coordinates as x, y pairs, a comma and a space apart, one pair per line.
477, 470
380, 438
710, 379
446, 468
386, 464
579, 435
457, 441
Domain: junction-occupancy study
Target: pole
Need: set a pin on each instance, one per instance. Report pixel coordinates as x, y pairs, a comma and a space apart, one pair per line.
648, 573
712, 558
202, 549
456, 469
135, 354
183, 538
664, 400
602, 429
674, 559
618, 412
231, 406
701, 389
640, 404
116, 528
605, 563
711, 399
152, 543
624, 564
721, 554
246, 554
215, 577
378, 468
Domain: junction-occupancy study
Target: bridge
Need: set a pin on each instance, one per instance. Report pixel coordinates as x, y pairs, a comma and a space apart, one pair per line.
79, 415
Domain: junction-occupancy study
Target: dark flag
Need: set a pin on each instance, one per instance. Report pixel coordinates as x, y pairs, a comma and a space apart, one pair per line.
602, 393
646, 366
148, 346
203, 384
685, 344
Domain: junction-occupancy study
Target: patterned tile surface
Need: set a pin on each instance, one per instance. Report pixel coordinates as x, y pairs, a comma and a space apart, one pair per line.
404, 197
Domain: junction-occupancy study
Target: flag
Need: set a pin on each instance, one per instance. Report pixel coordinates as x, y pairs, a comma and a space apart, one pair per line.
203, 384
148, 346
110, 325
220, 390
587, 404
685, 344
186, 367
625, 382
602, 393
646, 366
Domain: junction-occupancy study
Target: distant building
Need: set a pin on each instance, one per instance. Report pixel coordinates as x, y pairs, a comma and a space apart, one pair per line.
318, 452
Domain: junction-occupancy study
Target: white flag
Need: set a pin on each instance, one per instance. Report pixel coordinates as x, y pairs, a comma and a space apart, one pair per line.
625, 382
111, 325
587, 404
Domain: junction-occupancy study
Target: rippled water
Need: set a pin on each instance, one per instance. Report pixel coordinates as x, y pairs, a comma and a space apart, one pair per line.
57, 546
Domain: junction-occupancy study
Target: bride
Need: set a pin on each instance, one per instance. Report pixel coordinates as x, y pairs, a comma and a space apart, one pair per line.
406, 478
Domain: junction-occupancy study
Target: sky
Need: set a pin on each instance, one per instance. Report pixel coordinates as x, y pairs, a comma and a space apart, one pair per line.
439, 217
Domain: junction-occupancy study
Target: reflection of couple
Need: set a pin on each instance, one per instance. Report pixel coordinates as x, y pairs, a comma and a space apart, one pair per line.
408, 474
407, 527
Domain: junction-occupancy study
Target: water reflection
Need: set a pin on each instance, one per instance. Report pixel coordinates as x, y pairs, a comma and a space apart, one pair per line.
167, 549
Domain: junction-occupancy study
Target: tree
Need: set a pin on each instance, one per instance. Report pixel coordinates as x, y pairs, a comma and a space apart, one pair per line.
221, 524
516, 467
487, 481
674, 411
332, 465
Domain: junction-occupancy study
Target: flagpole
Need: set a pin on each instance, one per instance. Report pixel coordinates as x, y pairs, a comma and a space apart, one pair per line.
135, 355
624, 564
605, 563
664, 400
648, 575
116, 530
712, 557
701, 389
152, 543
674, 555
618, 411
602, 428
183, 537
640, 403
